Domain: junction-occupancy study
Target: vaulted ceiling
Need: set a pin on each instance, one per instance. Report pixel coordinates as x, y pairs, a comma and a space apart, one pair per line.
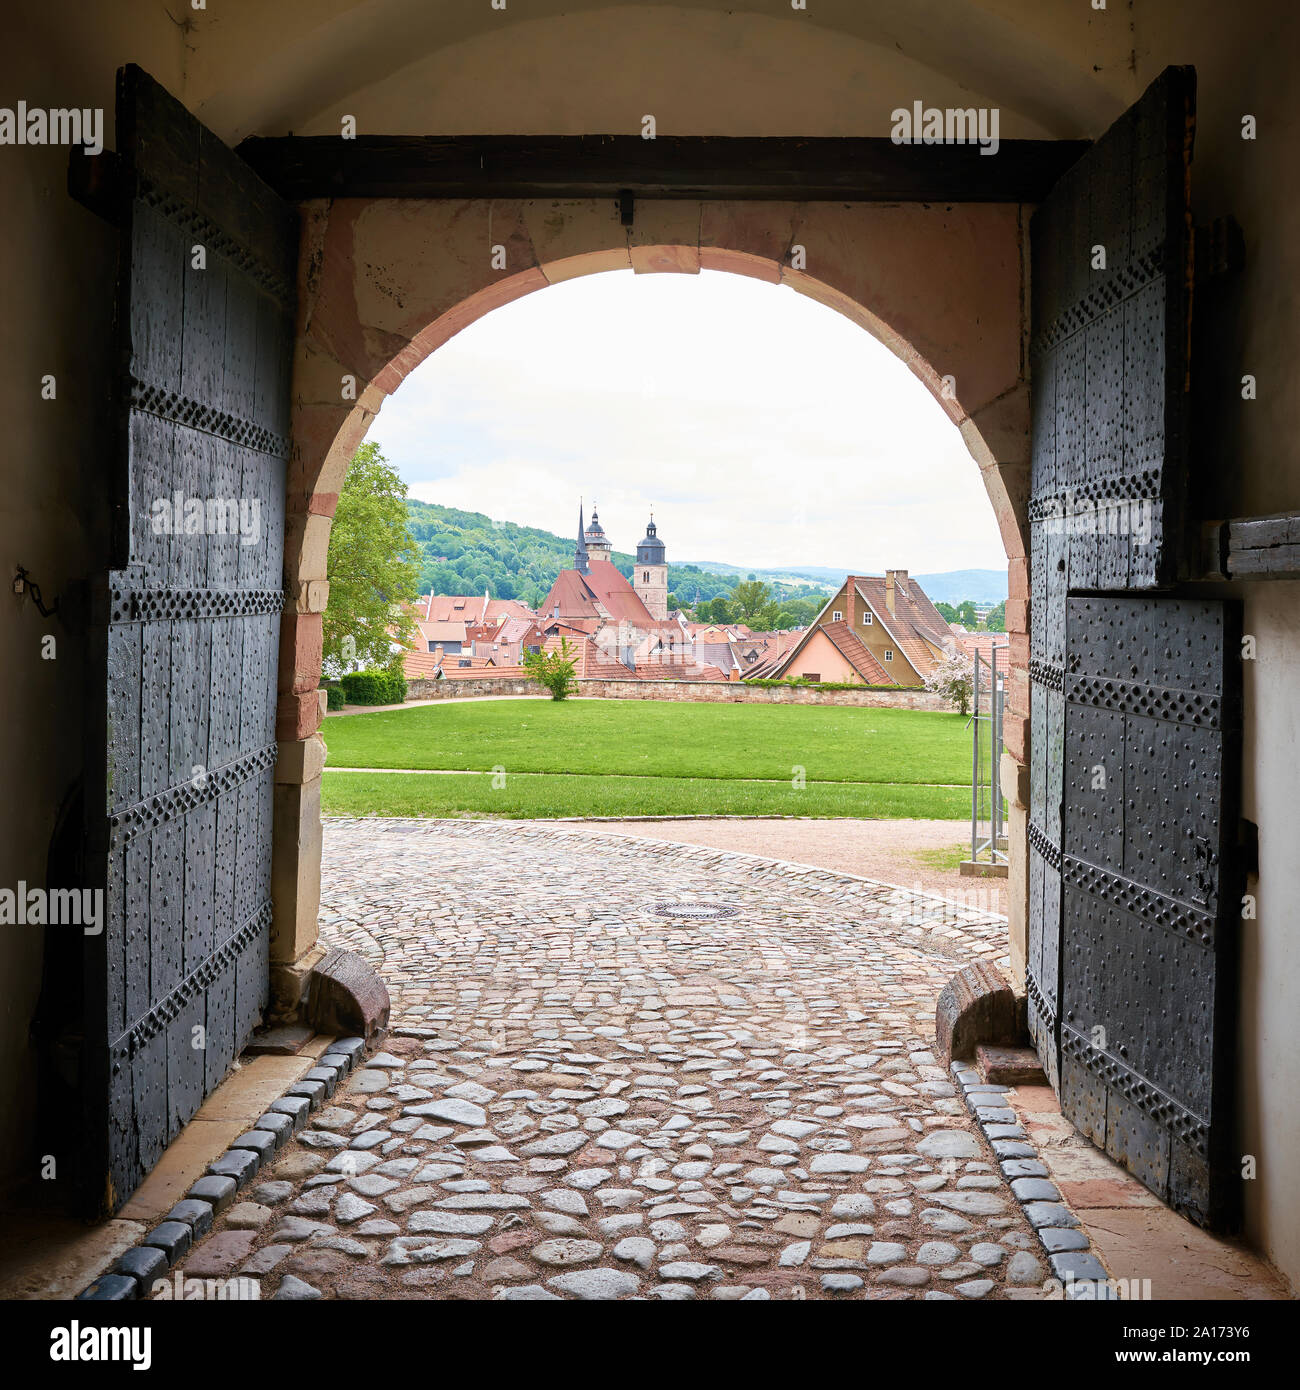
714, 67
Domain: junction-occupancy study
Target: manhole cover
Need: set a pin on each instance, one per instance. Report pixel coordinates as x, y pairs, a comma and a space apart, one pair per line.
696, 911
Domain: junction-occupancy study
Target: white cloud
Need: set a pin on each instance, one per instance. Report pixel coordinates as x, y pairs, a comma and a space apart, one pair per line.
764, 428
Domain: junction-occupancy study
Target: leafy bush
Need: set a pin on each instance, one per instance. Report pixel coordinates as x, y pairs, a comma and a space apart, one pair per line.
555, 671
375, 686
334, 697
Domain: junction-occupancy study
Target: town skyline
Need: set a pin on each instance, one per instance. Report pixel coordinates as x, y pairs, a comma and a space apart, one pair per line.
765, 430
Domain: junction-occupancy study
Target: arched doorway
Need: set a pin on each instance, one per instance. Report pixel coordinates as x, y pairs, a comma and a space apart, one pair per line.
385, 283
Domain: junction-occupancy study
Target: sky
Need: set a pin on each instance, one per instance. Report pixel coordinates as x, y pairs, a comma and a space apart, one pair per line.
764, 429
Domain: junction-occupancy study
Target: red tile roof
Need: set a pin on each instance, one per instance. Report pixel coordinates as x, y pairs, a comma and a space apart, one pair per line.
983, 642
469, 608
854, 650
915, 622
589, 661
585, 595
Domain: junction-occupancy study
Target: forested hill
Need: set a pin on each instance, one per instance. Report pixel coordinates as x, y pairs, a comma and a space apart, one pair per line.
468, 552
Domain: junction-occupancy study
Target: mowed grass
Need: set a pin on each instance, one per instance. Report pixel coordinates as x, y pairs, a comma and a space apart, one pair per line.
660, 739
628, 758
543, 795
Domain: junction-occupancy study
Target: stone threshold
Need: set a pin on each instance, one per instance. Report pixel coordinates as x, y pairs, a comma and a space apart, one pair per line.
1146, 1245
241, 1126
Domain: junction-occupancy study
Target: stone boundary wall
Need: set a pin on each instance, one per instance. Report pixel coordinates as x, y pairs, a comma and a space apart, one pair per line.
453, 689
714, 692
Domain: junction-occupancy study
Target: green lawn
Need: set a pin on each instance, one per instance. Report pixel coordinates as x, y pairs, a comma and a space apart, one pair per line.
660, 739
530, 795
624, 757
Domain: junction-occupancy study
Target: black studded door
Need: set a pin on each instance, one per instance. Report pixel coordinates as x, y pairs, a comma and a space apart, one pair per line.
1129, 917
1150, 899
185, 637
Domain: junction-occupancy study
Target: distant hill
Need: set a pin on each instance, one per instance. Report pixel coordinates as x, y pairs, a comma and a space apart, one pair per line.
955, 586
950, 586
824, 580
468, 552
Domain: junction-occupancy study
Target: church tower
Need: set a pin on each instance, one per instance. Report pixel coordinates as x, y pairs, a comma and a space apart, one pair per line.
650, 576
598, 546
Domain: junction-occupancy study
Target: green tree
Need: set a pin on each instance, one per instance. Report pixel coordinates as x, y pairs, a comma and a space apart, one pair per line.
373, 567
997, 618
750, 600
554, 671
947, 612
715, 610
966, 614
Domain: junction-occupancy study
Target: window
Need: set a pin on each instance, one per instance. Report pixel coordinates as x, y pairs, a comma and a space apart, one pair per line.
432, 645
889, 655
645, 576
812, 675
837, 616
867, 619
464, 661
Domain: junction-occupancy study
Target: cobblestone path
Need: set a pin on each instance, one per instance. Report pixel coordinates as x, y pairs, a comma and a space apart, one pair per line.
582, 1098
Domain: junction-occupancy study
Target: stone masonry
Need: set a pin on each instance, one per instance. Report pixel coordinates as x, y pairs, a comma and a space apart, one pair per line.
585, 1098
710, 692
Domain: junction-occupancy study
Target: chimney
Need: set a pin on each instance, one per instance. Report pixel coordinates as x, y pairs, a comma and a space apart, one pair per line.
851, 601
437, 654
895, 580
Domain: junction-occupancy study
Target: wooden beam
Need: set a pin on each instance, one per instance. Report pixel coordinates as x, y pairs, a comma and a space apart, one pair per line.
1254, 547
675, 166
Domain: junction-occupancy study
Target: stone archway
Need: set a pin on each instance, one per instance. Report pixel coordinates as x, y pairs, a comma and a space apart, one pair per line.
384, 282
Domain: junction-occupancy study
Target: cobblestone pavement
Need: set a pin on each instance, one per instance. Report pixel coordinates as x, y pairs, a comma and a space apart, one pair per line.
581, 1098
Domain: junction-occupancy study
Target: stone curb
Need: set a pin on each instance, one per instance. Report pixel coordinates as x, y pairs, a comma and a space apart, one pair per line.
1070, 1252
132, 1273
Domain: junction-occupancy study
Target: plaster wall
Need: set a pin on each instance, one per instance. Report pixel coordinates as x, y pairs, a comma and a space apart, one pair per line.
821, 658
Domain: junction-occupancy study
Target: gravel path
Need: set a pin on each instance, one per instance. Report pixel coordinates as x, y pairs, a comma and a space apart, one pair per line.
583, 1097
890, 851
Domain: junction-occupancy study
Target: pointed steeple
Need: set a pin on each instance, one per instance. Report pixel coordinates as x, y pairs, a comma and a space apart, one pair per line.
580, 559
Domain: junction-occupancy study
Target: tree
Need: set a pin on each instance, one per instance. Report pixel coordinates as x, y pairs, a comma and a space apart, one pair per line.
947, 612
997, 618
770, 618
800, 611
554, 671
373, 567
966, 614
749, 599
953, 677
714, 610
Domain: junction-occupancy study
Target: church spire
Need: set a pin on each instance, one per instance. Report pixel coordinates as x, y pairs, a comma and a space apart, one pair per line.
580, 557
